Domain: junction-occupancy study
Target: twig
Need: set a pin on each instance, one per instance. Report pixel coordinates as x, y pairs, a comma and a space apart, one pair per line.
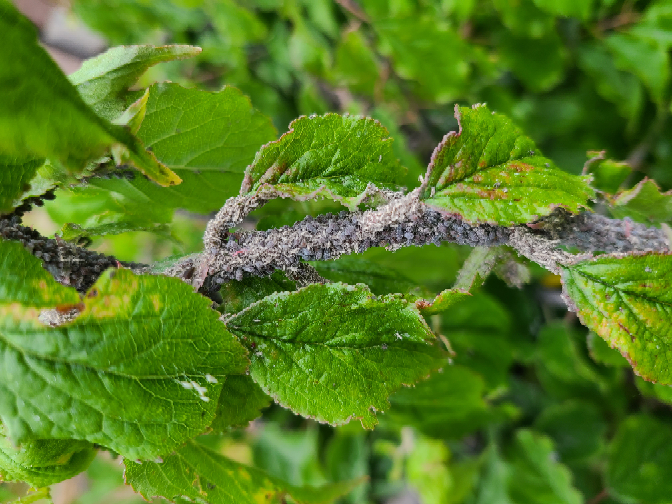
69, 264
354, 9
599, 497
404, 221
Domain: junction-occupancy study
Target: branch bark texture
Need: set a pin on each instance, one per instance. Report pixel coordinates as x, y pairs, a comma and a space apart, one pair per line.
404, 221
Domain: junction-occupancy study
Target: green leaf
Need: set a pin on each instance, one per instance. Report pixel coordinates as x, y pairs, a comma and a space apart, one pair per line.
331, 155
562, 367
335, 352
427, 470
380, 279
479, 329
567, 8
639, 462
577, 428
355, 64
662, 393
643, 203
42, 463
448, 405
489, 171
538, 63
45, 116
648, 61
609, 174
200, 475
103, 81
602, 353
444, 300
134, 114
202, 130
91, 207
492, 485
240, 402
237, 295
15, 176
139, 370
654, 25
623, 89
413, 42
628, 302
536, 477
346, 456
524, 18
206, 138
76, 233
290, 455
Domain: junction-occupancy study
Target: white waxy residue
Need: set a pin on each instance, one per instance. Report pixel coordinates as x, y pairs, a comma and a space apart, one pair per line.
191, 384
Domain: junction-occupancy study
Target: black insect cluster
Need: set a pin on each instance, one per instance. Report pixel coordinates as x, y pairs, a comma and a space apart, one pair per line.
69, 264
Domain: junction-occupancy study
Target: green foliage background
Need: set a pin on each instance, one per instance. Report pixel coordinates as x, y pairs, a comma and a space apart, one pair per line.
534, 408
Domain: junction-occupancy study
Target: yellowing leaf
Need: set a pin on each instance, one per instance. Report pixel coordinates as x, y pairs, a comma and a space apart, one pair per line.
627, 301
139, 370
488, 171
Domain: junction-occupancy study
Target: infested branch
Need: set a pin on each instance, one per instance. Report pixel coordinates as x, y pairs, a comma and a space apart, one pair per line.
69, 264
404, 221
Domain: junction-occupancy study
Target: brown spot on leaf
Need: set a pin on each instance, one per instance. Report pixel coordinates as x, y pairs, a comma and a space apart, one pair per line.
632, 336
92, 293
67, 308
422, 304
519, 167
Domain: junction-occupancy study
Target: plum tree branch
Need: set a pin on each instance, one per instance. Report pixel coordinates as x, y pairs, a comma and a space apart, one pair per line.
404, 221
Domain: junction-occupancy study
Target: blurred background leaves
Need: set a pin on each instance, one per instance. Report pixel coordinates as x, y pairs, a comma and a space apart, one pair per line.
534, 409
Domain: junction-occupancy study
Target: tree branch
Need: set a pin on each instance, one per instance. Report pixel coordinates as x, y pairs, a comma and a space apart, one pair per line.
69, 264
404, 221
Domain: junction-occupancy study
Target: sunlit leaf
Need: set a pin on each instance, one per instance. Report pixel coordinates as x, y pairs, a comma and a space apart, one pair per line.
331, 155
45, 116
139, 370
335, 352
103, 81
489, 171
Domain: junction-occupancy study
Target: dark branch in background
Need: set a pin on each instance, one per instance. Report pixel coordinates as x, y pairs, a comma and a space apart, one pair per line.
403, 221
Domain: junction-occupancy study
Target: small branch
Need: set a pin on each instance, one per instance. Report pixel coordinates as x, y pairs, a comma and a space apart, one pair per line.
404, 221
599, 497
590, 232
69, 264
354, 9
